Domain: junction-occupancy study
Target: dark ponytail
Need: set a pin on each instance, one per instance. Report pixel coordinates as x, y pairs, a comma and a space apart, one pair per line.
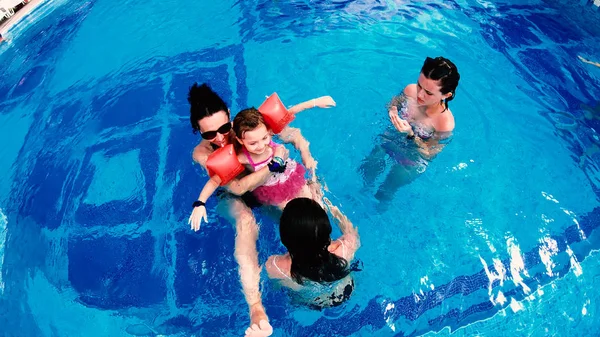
204, 102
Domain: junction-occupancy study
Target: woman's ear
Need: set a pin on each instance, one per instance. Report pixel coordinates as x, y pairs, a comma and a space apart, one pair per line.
448, 95
239, 140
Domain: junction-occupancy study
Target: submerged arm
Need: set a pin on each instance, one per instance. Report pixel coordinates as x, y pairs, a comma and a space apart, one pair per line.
431, 148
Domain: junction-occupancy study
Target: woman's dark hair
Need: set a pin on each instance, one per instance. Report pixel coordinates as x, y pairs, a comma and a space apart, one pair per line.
443, 70
204, 102
305, 231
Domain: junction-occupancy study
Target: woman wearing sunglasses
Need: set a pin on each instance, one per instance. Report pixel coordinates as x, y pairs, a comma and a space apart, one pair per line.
422, 125
210, 116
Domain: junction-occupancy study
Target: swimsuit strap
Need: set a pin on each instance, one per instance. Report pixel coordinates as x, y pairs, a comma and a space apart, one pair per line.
282, 273
248, 156
255, 165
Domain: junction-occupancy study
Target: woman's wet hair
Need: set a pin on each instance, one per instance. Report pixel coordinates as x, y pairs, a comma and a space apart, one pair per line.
443, 70
204, 102
305, 231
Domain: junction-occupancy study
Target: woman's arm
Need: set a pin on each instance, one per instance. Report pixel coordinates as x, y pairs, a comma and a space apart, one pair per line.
201, 153
321, 102
199, 212
249, 182
349, 232
255, 179
589, 62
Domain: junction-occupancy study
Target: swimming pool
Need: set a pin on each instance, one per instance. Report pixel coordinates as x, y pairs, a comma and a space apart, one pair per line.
497, 237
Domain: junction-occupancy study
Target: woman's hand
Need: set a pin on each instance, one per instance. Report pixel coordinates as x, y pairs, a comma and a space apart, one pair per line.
400, 124
324, 102
198, 214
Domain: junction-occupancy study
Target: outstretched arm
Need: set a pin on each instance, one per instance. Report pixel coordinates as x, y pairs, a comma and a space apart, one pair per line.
589, 62
321, 102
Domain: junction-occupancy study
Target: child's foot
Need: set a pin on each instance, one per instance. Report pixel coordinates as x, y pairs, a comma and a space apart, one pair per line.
259, 322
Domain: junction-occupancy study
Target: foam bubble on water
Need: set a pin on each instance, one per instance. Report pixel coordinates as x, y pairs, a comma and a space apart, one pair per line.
547, 220
3, 230
549, 197
460, 166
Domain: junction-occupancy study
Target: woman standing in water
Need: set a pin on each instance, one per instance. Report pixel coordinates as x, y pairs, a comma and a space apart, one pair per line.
315, 267
422, 125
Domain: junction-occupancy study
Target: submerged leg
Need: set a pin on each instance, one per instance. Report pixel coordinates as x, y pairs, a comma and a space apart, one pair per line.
398, 176
372, 165
246, 256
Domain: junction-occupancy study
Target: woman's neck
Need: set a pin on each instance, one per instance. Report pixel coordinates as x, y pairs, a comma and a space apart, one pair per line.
434, 109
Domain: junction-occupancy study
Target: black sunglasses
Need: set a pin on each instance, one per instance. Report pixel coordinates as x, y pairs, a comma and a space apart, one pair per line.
223, 129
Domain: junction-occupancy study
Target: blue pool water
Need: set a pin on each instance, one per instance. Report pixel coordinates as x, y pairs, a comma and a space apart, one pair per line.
498, 237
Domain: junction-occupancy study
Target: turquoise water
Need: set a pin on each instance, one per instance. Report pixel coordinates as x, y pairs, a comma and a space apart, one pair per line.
96, 177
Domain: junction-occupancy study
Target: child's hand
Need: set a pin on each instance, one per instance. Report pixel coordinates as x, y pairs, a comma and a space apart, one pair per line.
198, 214
324, 102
